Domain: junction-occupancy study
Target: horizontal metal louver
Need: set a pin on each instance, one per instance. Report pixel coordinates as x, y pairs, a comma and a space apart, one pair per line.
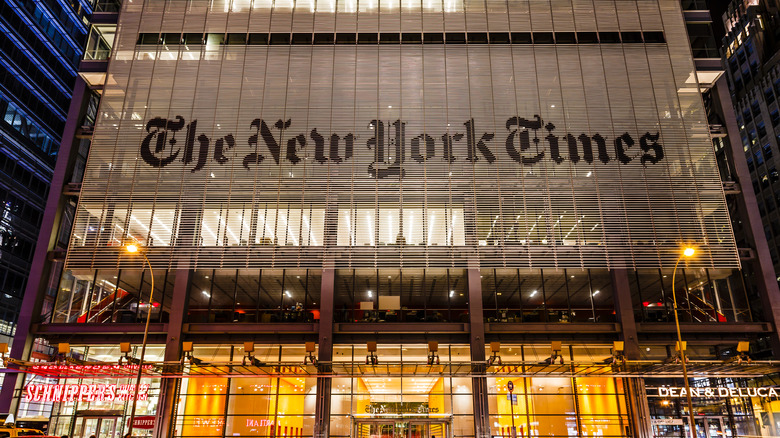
440, 155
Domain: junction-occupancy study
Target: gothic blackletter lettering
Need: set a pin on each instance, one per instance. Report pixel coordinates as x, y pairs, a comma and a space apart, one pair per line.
430, 149
448, 140
473, 145
291, 155
203, 153
587, 148
657, 148
163, 126
601, 144
253, 157
319, 146
555, 152
219, 148
524, 139
622, 140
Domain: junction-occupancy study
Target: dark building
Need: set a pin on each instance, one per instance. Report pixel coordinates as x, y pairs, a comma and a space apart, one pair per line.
42, 44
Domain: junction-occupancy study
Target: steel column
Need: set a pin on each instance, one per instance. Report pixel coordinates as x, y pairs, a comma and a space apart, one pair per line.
624, 311
169, 388
324, 354
477, 341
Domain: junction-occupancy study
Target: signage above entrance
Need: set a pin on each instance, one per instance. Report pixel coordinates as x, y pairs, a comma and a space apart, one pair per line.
716, 392
76, 393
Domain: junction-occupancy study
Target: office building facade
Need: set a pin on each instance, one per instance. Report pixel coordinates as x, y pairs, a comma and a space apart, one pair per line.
462, 205
42, 44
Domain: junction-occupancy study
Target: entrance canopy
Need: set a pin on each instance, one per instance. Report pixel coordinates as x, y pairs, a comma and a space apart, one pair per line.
62, 370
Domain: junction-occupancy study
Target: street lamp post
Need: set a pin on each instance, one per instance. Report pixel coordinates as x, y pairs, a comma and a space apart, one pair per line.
132, 248
688, 252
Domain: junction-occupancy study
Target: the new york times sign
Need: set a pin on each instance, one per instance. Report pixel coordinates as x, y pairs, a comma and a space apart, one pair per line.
525, 141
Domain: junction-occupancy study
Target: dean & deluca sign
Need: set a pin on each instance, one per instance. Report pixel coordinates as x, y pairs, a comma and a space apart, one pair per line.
717, 392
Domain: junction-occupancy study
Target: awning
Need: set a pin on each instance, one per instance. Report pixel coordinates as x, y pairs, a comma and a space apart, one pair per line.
696, 369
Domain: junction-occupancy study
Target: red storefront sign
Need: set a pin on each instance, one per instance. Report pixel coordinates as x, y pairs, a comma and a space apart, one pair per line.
144, 422
94, 392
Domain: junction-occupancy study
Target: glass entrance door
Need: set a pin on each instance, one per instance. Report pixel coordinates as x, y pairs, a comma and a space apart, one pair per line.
712, 427
401, 428
715, 428
100, 427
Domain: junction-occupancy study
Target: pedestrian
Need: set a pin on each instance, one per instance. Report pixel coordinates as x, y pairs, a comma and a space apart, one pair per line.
64, 436
92, 436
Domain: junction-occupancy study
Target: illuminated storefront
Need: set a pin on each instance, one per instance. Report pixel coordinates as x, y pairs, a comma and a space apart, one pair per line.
314, 177
404, 398
722, 407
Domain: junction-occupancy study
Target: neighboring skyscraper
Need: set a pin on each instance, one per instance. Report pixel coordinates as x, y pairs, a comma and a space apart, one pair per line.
41, 44
431, 176
751, 53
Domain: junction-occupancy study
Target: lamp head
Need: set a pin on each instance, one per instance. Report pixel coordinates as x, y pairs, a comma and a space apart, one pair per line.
132, 248
688, 252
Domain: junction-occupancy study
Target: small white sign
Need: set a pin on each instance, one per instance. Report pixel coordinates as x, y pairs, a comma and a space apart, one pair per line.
666, 421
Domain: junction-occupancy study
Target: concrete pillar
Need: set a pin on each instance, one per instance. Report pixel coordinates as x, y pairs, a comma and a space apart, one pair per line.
166, 411
41, 267
624, 310
324, 354
477, 341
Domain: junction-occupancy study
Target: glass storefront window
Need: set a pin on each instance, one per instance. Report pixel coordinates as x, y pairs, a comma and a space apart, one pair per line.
390, 295
91, 416
252, 295
546, 406
547, 295
106, 296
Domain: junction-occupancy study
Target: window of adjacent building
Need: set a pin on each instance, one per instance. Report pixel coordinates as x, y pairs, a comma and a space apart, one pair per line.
755, 108
22, 124
100, 42
774, 117
761, 127
767, 151
769, 95
741, 56
747, 116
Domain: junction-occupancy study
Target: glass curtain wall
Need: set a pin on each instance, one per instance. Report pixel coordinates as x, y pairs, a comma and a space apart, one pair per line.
557, 406
253, 295
106, 295
407, 295
371, 406
547, 295
247, 406
703, 295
